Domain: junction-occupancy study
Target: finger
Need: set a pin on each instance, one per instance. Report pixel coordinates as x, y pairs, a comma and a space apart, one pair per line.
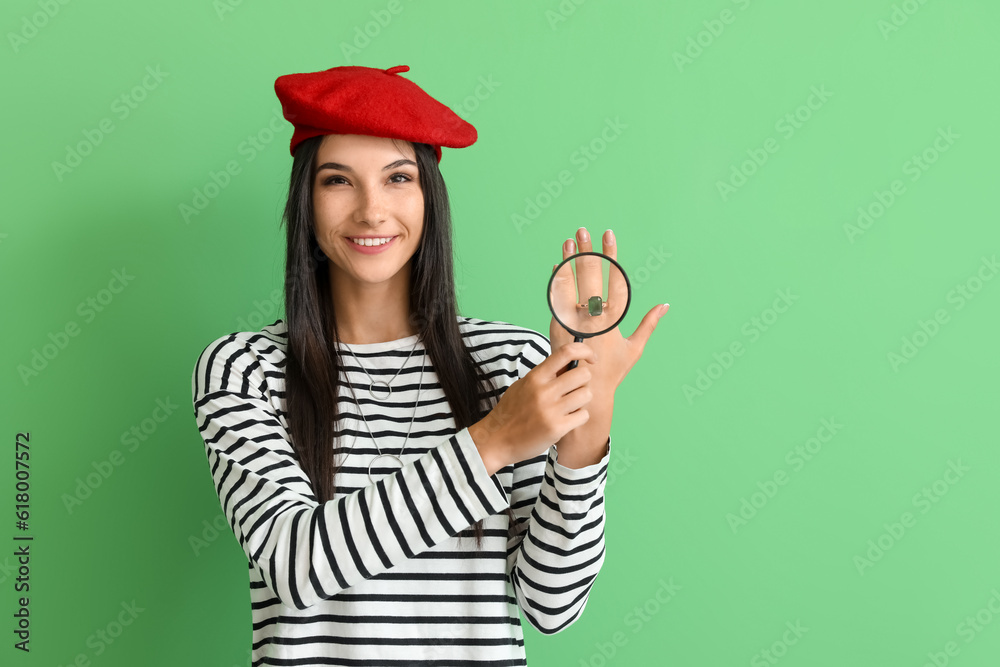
576, 399
567, 287
589, 274
580, 351
646, 328
558, 335
617, 289
608, 242
564, 294
571, 381
561, 357
564, 291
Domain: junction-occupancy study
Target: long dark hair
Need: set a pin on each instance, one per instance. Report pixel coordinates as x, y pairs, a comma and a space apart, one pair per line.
312, 365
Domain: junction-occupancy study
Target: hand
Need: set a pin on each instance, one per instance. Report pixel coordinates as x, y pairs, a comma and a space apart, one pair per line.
536, 410
587, 444
616, 355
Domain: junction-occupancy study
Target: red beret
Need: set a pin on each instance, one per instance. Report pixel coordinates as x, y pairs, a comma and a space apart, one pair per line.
371, 101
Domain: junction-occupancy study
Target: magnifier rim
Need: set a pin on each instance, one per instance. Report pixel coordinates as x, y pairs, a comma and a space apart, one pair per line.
628, 292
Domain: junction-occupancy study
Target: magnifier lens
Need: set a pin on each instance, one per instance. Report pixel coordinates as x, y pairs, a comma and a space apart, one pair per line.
588, 294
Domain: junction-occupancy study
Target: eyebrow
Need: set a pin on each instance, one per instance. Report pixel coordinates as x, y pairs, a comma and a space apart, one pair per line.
344, 167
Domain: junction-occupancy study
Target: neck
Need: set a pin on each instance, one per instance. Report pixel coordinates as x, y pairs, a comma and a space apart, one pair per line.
372, 312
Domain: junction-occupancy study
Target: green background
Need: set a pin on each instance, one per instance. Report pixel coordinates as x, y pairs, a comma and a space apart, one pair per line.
685, 461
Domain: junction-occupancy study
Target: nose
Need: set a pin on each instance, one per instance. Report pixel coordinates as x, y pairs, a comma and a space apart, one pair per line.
371, 206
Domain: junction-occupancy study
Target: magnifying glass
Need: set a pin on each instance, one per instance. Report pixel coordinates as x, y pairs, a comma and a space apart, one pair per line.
588, 295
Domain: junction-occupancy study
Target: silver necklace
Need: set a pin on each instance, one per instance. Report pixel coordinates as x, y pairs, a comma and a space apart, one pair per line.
416, 404
371, 387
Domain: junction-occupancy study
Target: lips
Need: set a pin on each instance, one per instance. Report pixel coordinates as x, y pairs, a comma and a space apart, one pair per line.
372, 249
363, 238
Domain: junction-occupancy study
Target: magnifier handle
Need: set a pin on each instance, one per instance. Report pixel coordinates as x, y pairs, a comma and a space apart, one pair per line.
573, 364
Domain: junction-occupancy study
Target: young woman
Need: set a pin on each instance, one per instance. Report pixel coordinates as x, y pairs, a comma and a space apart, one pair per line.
402, 479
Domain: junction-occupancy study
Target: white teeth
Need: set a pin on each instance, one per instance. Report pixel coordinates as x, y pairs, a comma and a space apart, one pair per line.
371, 242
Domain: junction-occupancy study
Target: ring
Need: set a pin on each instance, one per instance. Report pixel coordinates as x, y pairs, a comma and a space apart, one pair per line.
381, 456
371, 388
595, 305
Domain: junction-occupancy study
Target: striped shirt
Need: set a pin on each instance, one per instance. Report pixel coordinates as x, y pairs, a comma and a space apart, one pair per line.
378, 574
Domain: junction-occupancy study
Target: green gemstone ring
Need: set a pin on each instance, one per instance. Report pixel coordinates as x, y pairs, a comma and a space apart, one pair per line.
595, 305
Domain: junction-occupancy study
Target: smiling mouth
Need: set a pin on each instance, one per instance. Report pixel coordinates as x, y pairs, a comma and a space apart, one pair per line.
370, 242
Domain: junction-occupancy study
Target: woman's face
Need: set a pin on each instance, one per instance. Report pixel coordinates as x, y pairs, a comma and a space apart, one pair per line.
367, 187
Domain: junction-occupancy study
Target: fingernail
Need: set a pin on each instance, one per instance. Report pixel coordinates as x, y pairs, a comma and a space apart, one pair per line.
611, 237
663, 309
584, 236
568, 245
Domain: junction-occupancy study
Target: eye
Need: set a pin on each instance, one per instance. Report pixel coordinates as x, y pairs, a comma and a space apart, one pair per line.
405, 178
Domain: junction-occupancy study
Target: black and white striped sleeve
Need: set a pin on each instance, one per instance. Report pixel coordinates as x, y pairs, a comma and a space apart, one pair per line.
556, 548
304, 550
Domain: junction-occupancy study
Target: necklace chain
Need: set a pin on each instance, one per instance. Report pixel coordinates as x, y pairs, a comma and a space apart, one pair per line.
371, 390
371, 387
